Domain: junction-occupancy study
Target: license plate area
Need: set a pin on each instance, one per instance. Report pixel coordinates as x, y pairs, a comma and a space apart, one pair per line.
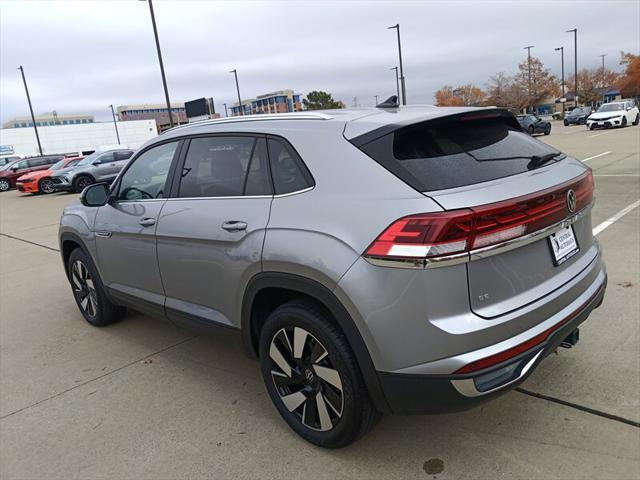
563, 245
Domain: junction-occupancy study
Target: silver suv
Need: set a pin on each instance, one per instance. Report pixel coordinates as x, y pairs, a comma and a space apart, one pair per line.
100, 166
399, 260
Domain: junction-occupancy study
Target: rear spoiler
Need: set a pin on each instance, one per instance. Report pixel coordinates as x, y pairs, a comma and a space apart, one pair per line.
479, 114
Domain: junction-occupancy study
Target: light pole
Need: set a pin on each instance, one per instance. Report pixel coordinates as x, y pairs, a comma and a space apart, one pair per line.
397, 83
376, 97
528, 49
33, 118
113, 114
404, 87
226, 112
562, 84
164, 79
575, 64
603, 55
235, 74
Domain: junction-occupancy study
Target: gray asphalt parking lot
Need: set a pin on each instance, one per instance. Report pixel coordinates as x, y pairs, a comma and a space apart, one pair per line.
145, 399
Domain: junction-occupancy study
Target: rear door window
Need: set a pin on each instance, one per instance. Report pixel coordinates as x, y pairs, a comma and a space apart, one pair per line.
229, 166
288, 171
453, 153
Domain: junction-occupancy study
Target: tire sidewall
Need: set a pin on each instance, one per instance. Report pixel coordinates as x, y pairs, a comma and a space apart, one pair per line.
43, 182
99, 318
5, 185
348, 425
76, 183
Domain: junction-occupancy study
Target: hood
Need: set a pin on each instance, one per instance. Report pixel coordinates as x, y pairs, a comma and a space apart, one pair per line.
62, 171
603, 115
35, 175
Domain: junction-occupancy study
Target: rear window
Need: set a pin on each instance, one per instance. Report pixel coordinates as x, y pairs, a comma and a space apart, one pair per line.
454, 153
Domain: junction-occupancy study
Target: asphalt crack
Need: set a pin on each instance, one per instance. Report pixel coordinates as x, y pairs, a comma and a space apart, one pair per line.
582, 408
29, 242
138, 360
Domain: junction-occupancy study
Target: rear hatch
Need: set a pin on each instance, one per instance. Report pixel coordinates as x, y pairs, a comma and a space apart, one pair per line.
528, 204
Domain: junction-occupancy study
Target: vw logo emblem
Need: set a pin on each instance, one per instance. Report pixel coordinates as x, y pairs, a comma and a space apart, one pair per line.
571, 201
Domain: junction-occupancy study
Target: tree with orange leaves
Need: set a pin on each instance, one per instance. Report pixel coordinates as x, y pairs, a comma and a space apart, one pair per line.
629, 82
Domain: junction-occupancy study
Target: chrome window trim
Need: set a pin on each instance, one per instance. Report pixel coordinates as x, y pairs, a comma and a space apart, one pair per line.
238, 197
479, 253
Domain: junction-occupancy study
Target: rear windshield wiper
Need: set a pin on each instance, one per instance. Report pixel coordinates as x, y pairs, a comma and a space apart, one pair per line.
535, 160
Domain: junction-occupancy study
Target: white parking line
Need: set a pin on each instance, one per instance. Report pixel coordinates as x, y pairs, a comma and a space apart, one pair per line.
598, 134
596, 156
611, 220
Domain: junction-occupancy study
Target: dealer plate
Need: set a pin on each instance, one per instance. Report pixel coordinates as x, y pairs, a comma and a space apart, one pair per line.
563, 245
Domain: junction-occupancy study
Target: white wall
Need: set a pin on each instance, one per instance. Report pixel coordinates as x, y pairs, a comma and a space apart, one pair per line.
72, 138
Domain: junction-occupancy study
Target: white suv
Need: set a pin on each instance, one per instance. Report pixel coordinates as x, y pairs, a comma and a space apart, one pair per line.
614, 114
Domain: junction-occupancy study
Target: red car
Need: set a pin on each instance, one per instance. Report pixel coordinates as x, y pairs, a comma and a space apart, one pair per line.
40, 181
10, 173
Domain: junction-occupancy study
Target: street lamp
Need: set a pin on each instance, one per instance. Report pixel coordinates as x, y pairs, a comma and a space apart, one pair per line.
528, 49
164, 79
226, 112
235, 74
404, 87
113, 114
575, 64
603, 55
561, 49
33, 118
376, 97
397, 83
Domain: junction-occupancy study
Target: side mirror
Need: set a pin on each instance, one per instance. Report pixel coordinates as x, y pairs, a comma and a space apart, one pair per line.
95, 195
14, 169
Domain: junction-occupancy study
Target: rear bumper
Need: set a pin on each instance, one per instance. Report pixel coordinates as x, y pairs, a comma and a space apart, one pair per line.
419, 394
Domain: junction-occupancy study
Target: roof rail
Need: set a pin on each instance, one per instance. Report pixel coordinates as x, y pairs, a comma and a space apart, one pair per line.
259, 117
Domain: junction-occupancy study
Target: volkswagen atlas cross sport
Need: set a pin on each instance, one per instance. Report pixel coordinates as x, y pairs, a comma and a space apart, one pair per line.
402, 260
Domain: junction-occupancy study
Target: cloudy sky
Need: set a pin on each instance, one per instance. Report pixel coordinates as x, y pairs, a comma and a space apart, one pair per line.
80, 56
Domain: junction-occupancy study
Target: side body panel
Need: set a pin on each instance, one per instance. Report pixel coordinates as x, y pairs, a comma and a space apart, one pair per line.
205, 268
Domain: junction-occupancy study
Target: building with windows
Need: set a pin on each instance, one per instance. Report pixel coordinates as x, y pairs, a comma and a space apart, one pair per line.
282, 101
49, 119
154, 111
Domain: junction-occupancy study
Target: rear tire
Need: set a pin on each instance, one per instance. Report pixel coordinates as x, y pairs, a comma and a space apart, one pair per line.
547, 130
89, 292
312, 376
566, 123
4, 185
637, 120
82, 182
45, 186
531, 130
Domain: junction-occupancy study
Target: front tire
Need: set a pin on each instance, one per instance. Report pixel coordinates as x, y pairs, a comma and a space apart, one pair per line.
312, 376
531, 130
624, 122
547, 130
45, 186
89, 292
637, 120
566, 123
82, 182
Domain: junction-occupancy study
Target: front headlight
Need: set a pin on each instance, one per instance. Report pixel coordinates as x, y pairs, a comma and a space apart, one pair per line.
25, 180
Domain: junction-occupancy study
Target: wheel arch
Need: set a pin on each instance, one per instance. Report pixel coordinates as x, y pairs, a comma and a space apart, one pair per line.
297, 286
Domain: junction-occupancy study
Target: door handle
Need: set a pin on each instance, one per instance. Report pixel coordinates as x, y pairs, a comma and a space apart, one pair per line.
234, 226
147, 222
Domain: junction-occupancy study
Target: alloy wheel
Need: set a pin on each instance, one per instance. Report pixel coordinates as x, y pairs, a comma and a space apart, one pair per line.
306, 379
46, 186
84, 288
4, 185
82, 183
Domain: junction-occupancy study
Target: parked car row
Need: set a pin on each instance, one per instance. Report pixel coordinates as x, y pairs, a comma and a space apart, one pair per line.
55, 173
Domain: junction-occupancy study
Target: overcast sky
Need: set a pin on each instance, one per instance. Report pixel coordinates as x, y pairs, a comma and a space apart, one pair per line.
80, 56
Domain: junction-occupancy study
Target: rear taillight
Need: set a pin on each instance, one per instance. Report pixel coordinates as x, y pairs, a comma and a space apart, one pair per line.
431, 235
